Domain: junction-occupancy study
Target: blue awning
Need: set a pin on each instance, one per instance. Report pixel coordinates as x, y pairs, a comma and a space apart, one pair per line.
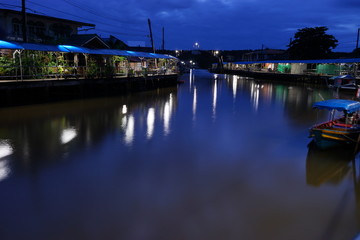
42, 47
318, 61
73, 49
9, 45
77, 49
338, 104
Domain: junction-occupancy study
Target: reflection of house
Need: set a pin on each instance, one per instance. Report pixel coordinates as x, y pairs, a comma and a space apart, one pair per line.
264, 54
42, 29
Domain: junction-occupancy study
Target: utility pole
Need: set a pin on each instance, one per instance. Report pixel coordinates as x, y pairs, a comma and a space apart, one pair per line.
163, 39
23, 12
357, 40
151, 36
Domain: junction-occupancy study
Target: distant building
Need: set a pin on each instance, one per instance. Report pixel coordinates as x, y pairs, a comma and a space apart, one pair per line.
115, 43
264, 54
87, 40
40, 29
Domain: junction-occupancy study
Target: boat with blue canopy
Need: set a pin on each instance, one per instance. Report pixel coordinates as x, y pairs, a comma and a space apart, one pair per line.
342, 127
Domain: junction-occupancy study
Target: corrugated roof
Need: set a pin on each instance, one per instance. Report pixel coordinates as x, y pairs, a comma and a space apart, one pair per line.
9, 45
77, 49
348, 60
42, 47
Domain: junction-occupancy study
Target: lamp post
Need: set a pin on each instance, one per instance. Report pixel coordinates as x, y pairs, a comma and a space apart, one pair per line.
196, 45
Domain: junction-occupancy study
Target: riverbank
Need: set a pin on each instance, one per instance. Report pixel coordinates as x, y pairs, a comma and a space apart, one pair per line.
34, 91
278, 77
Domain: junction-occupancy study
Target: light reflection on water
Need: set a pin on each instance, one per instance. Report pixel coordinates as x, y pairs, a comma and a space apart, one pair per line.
219, 157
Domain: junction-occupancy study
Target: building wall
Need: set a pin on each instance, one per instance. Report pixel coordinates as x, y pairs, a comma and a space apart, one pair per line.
39, 29
298, 68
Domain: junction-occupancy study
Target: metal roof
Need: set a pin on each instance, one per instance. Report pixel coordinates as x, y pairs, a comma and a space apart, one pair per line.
42, 47
340, 60
77, 49
9, 45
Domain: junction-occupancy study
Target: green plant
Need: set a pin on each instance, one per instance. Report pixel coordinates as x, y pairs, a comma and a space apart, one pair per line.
6, 65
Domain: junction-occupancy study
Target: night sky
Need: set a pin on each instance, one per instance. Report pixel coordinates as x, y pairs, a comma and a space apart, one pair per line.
214, 24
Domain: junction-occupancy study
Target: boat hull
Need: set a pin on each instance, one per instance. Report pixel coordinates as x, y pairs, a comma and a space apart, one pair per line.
330, 138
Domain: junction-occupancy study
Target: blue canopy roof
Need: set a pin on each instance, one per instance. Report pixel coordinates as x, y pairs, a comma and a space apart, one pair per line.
73, 49
319, 61
338, 104
42, 47
77, 49
9, 45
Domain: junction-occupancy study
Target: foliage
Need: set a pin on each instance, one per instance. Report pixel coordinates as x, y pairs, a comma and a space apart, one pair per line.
312, 43
91, 69
6, 65
109, 71
119, 58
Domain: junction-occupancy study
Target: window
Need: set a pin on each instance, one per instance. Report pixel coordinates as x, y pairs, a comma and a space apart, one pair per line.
16, 24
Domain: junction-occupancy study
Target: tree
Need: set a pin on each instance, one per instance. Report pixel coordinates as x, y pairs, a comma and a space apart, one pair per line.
312, 43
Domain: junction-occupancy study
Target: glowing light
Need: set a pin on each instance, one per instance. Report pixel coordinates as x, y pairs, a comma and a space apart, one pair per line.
234, 85
214, 98
67, 135
150, 122
124, 109
167, 114
194, 103
129, 130
255, 92
5, 149
4, 170
166, 118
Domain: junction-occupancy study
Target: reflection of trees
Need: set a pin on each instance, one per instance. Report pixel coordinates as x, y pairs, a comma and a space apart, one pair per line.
35, 131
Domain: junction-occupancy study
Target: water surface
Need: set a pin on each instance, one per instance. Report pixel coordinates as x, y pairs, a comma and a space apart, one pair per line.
218, 157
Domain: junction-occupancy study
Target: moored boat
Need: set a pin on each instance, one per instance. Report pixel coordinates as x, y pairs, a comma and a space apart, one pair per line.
337, 131
345, 83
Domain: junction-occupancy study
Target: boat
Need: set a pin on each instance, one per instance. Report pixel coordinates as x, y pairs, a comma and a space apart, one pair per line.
345, 83
340, 130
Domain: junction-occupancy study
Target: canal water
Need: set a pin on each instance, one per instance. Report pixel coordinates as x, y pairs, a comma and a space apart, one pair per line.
217, 157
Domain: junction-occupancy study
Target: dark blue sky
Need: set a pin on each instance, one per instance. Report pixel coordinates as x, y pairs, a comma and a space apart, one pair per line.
214, 24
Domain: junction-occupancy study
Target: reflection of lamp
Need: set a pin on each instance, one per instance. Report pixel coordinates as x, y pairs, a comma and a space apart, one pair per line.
67, 135
5, 149
167, 114
4, 169
124, 109
150, 122
129, 131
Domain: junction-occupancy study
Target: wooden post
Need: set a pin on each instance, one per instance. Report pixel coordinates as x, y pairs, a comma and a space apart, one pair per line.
23, 13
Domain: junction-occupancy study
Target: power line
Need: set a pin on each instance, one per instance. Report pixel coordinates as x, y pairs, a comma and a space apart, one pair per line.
9, 5
76, 16
120, 33
94, 12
